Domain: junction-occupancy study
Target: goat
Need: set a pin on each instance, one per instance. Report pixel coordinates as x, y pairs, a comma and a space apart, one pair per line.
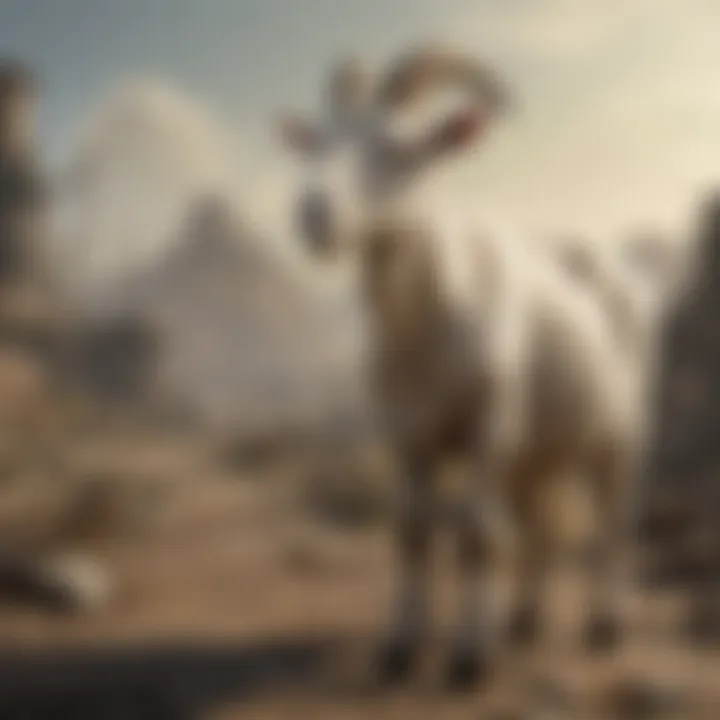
638, 281
479, 348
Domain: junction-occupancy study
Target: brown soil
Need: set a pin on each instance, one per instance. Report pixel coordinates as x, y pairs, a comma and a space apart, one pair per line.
237, 602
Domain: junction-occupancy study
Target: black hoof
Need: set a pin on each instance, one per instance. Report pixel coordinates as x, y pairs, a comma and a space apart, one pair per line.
603, 634
396, 662
467, 670
524, 628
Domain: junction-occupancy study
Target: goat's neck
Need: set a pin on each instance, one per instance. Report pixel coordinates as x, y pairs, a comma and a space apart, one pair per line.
402, 295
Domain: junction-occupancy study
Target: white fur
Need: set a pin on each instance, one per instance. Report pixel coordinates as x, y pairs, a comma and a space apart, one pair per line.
566, 391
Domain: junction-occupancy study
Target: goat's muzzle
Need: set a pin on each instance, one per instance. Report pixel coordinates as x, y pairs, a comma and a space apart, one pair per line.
315, 222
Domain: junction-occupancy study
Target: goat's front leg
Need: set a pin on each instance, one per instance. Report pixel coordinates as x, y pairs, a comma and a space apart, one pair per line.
485, 533
410, 612
533, 562
614, 485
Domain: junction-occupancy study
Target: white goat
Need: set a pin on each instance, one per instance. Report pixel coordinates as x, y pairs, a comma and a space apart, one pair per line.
481, 347
638, 281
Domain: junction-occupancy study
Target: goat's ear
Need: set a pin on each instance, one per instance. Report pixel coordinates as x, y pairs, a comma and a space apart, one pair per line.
460, 130
298, 134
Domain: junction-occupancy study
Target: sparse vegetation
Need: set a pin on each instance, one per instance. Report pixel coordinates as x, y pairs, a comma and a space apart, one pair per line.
125, 507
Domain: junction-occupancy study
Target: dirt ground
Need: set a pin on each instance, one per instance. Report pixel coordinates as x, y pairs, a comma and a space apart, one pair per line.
239, 601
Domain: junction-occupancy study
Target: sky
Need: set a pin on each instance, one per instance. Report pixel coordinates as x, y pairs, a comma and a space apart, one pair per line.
617, 119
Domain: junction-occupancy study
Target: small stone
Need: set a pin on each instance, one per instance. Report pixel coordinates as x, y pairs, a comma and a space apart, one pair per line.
310, 559
524, 628
637, 699
508, 715
603, 634
78, 581
551, 695
468, 669
703, 620
396, 662
668, 519
69, 583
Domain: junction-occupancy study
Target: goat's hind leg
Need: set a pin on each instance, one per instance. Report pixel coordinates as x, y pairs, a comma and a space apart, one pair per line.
613, 482
533, 561
484, 533
410, 614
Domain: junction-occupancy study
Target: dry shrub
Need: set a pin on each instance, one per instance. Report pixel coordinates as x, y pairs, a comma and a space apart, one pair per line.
262, 449
110, 506
31, 513
350, 487
25, 409
634, 698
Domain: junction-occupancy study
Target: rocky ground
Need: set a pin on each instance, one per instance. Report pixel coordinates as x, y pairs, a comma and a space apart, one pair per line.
223, 584
150, 572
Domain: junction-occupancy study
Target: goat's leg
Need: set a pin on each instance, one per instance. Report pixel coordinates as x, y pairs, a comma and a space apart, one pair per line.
533, 562
614, 486
484, 532
410, 612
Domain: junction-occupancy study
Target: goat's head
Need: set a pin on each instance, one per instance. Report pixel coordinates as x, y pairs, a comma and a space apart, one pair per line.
360, 169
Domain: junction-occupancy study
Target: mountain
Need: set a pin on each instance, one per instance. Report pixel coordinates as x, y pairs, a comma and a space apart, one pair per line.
246, 339
246, 342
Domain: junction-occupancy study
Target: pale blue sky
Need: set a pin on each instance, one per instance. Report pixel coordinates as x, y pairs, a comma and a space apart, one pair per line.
619, 112
238, 55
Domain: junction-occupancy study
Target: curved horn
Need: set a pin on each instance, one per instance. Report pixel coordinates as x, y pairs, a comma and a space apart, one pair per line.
424, 69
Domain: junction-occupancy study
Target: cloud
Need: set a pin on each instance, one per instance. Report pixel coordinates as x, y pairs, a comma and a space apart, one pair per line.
618, 121
559, 30
619, 117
